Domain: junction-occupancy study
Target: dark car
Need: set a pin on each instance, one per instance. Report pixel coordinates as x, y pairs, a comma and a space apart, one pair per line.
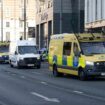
4, 54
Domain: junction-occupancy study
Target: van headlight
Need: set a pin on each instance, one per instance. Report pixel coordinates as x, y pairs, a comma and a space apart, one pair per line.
20, 58
89, 63
38, 58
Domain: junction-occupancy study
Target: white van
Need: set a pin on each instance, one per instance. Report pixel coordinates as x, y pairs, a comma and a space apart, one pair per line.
24, 53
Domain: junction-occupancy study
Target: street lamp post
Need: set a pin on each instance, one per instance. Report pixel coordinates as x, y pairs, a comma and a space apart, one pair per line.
79, 16
61, 9
1, 20
24, 19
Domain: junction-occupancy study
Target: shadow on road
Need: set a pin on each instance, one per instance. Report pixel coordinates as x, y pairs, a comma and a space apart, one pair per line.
89, 79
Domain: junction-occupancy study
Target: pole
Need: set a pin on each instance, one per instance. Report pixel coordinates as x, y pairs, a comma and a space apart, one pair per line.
79, 16
24, 19
61, 18
1, 20
15, 33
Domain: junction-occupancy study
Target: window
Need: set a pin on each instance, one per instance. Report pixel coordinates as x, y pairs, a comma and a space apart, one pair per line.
51, 4
7, 24
75, 48
67, 48
48, 4
40, 9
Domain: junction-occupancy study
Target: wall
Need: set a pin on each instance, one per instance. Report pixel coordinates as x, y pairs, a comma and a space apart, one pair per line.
94, 12
13, 13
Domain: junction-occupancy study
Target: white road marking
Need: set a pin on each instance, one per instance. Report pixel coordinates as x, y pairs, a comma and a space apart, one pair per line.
94, 97
91, 96
45, 83
36, 73
45, 98
13, 74
79, 92
22, 76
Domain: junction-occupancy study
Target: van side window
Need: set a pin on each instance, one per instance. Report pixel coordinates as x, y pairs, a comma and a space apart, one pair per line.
67, 48
75, 48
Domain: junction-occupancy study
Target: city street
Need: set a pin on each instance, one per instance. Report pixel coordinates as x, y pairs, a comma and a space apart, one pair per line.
39, 87
69, 34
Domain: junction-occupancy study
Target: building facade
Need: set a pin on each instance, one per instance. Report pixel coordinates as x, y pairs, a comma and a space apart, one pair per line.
95, 15
12, 19
56, 17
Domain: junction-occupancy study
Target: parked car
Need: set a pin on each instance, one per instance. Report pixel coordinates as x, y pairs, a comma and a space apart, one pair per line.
4, 54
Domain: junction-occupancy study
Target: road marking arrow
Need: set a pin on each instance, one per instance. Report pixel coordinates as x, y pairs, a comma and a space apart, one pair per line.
45, 83
45, 98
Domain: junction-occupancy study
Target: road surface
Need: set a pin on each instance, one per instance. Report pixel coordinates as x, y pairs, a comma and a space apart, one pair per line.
39, 87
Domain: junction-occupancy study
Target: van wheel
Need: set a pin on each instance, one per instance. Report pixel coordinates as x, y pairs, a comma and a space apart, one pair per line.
18, 66
82, 75
55, 72
38, 66
11, 64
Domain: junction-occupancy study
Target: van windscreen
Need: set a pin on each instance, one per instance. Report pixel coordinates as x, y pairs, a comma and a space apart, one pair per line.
4, 49
27, 49
90, 48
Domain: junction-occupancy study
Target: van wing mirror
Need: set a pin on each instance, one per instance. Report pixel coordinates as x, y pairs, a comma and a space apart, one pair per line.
78, 53
16, 53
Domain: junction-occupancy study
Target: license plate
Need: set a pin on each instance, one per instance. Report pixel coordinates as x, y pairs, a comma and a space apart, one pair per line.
103, 74
30, 64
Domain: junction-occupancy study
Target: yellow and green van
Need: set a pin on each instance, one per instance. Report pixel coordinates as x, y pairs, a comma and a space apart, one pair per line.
4, 52
81, 55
